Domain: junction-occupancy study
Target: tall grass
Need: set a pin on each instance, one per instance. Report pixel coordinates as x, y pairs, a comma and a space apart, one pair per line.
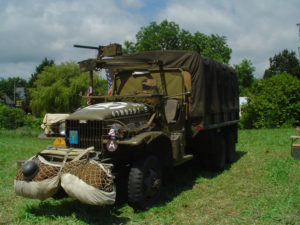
20, 132
261, 187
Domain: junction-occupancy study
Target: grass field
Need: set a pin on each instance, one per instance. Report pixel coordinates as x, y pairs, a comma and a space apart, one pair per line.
261, 187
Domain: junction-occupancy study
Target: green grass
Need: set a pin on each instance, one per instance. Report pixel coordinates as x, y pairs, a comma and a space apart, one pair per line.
261, 187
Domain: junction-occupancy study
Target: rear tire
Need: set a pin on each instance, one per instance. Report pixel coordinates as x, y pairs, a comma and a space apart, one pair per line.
230, 148
217, 156
144, 182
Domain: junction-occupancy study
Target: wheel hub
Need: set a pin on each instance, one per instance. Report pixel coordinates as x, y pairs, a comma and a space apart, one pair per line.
152, 183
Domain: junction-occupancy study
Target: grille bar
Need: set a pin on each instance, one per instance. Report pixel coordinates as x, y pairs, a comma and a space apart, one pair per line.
88, 133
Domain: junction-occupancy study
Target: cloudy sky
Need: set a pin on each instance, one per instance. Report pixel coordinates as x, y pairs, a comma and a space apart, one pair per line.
31, 30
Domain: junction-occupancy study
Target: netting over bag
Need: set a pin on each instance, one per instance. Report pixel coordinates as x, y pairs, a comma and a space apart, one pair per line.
43, 185
89, 181
91, 172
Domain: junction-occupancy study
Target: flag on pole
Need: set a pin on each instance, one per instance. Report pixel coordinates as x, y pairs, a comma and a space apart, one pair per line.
90, 91
109, 82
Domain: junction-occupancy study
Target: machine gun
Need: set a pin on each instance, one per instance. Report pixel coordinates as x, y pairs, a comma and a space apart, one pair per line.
104, 51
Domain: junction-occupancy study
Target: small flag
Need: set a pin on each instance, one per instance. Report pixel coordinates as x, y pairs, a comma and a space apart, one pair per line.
90, 91
109, 82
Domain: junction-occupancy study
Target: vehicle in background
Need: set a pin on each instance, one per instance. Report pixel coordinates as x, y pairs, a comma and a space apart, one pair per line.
53, 125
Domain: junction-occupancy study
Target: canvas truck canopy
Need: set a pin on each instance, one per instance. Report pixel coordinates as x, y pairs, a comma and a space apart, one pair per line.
214, 87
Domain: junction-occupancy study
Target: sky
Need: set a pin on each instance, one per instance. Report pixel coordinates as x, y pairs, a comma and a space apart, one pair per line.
31, 30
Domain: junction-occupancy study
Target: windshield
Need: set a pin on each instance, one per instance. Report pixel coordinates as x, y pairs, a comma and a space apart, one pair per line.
150, 82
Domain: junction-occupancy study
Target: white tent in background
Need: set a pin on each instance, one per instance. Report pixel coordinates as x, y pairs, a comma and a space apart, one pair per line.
243, 101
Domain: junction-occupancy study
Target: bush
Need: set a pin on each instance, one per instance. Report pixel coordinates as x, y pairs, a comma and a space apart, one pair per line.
33, 122
11, 118
275, 102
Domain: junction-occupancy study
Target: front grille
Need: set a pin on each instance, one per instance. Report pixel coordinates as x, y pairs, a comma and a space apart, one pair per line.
87, 133
84, 134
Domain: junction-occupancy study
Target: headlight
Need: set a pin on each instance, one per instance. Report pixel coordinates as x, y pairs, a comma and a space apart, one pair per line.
62, 129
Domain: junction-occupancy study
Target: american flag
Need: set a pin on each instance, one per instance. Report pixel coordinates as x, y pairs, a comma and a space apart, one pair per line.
109, 82
90, 91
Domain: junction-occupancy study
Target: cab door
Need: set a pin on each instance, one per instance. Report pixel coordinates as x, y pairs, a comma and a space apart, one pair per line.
176, 109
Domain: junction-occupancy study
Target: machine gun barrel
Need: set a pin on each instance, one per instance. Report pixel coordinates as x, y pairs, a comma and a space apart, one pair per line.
88, 47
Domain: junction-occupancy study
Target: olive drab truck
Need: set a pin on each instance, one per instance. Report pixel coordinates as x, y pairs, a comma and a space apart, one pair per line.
165, 108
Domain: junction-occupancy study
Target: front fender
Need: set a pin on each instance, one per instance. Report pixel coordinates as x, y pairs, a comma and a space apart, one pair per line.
142, 138
153, 141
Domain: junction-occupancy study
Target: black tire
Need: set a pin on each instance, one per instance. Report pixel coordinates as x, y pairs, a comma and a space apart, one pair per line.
230, 148
144, 182
202, 148
217, 157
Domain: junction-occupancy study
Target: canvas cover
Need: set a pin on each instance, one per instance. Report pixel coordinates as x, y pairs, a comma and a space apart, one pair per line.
87, 180
214, 87
50, 119
44, 185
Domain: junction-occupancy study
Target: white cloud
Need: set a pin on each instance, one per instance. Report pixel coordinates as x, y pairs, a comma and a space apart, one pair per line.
132, 4
255, 29
31, 30
20, 69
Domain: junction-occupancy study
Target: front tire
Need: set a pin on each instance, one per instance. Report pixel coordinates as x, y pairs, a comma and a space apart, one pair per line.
144, 182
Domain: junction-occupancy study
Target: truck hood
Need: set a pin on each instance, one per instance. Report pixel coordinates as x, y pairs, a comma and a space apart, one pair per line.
109, 110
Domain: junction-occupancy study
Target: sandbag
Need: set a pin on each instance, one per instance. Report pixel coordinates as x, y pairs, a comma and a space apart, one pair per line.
89, 181
43, 185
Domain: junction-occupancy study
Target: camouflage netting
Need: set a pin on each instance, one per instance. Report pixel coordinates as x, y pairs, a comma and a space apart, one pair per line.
45, 183
89, 181
86, 180
92, 173
46, 170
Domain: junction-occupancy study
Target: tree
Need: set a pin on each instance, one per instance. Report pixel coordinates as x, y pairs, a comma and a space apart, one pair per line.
168, 35
284, 62
275, 102
7, 86
156, 37
38, 70
57, 89
213, 46
245, 76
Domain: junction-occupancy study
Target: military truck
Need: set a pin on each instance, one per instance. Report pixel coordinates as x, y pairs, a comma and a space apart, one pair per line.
165, 108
